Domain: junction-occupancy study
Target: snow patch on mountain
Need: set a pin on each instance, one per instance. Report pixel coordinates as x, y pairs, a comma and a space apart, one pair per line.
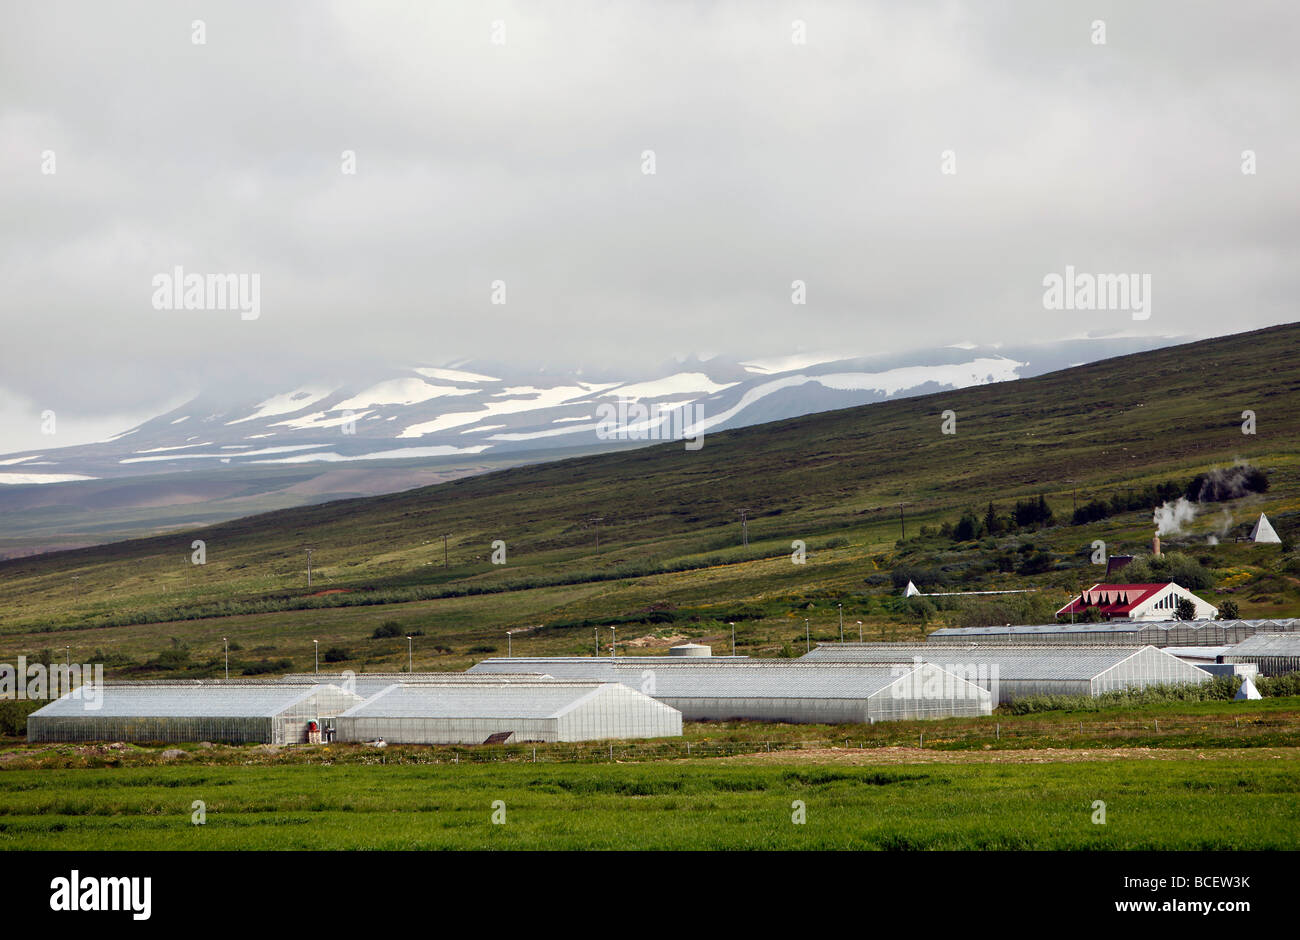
287, 403
453, 375
406, 391
679, 384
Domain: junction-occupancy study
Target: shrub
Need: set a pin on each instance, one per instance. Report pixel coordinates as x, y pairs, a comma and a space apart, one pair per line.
337, 654
1218, 485
1229, 610
390, 628
1181, 569
268, 665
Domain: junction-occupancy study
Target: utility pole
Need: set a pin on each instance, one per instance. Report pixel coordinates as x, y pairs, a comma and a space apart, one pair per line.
444, 549
744, 527
309, 567
597, 629
902, 525
510, 644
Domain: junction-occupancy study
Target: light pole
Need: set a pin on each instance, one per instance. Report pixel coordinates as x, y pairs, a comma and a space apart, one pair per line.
859, 631
510, 645
841, 607
613, 645
807, 633
410, 655
226, 642
316, 643
68, 651
733, 639
309, 567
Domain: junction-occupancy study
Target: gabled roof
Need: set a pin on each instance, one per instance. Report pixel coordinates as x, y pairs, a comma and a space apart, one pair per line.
163, 700
1078, 663
1115, 600
483, 699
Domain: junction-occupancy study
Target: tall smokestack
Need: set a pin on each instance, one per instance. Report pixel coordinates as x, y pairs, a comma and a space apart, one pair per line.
1155, 545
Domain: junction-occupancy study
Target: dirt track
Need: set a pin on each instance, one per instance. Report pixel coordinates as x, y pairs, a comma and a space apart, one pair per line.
912, 755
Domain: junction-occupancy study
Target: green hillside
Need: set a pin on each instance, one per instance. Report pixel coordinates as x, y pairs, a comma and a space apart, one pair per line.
670, 562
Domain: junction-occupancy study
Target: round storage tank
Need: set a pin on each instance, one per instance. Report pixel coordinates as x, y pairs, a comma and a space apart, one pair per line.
691, 649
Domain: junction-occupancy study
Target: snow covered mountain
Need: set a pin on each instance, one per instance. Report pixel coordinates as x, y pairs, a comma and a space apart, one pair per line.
440, 414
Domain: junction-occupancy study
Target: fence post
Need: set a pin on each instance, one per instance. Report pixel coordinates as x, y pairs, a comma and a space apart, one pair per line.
997, 731
611, 752
922, 739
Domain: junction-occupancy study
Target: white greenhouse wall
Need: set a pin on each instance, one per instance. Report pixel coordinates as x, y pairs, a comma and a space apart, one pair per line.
619, 712
445, 730
1147, 667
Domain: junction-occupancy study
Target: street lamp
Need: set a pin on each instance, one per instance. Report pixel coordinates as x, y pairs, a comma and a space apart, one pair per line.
68, 650
226, 642
841, 607
317, 644
613, 645
733, 639
510, 644
859, 631
807, 633
410, 655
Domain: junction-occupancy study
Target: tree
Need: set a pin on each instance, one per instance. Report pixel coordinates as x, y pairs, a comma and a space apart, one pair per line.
967, 528
1093, 615
1228, 610
992, 522
1185, 610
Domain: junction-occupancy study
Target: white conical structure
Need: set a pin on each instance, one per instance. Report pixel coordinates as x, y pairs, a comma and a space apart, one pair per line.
1263, 531
1247, 690
911, 590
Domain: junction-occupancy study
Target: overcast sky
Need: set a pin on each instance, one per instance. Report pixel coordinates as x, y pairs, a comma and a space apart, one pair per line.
522, 161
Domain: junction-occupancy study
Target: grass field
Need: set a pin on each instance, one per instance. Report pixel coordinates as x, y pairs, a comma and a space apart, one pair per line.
1228, 800
1207, 775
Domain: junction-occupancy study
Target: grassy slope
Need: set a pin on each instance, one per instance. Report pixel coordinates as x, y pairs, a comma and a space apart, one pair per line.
1125, 422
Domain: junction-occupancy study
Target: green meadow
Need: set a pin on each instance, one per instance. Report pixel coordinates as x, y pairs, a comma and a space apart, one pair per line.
1223, 802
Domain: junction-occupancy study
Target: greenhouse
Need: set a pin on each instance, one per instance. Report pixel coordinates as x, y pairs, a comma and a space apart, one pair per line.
237, 713
774, 689
1012, 672
465, 712
1274, 654
1158, 633
367, 684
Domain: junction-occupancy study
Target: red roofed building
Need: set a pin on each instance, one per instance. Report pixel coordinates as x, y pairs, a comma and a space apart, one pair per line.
1137, 602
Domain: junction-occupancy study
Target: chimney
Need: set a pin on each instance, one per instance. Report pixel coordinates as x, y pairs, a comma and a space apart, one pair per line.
1155, 545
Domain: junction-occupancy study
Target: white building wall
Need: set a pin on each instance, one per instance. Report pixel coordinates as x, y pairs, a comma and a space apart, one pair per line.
444, 730
1147, 667
620, 713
